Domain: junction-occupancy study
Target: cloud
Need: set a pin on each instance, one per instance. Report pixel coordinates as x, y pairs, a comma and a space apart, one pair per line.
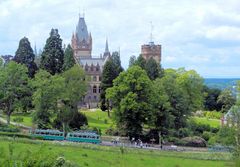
201, 34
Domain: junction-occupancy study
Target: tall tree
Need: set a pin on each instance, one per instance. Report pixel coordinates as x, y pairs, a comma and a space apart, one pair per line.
162, 119
117, 62
48, 90
211, 99
130, 96
52, 56
73, 91
184, 89
69, 60
152, 69
13, 87
227, 100
25, 55
141, 62
111, 70
132, 61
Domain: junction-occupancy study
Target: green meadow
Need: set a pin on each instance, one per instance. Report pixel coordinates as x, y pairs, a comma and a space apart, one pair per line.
102, 156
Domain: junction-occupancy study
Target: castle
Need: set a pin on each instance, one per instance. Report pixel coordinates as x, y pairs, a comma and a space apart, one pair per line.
93, 66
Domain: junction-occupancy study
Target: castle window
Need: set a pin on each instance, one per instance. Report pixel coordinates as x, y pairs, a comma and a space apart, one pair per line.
94, 78
99, 90
97, 68
94, 89
99, 78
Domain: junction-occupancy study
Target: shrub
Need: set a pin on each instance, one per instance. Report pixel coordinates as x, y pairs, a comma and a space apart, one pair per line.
194, 141
5, 128
206, 135
213, 114
18, 119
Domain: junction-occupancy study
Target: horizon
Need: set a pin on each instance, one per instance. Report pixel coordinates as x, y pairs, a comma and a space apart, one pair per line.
198, 35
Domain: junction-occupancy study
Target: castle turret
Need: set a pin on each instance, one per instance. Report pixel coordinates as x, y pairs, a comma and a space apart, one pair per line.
82, 40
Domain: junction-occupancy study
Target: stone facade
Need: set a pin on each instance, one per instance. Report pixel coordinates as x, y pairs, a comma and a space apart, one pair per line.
152, 50
93, 66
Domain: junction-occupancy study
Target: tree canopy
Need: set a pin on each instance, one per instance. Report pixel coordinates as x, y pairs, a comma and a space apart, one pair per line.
13, 87
25, 55
52, 55
130, 96
111, 70
69, 60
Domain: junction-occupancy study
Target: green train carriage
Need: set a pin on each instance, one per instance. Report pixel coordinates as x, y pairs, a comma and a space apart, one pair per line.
48, 134
84, 136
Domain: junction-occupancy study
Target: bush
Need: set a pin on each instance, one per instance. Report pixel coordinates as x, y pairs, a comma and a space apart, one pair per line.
213, 114
206, 135
6, 128
194, 141
18, 119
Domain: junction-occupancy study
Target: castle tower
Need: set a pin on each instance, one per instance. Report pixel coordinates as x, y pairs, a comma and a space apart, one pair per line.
151, 50
82, 40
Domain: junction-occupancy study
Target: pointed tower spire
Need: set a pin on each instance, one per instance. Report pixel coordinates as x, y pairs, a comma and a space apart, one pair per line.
106, 47
106, 52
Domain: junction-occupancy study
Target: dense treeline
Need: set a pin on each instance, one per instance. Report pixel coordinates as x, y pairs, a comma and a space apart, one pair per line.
52, 90
146, 100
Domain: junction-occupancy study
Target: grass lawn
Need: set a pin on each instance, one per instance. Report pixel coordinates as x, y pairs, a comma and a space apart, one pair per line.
212, 122
98, 119
101, 156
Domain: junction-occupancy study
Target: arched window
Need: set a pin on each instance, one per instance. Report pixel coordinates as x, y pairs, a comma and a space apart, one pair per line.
94, 89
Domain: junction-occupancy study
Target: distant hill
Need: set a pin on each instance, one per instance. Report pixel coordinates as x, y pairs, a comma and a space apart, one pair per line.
221, 83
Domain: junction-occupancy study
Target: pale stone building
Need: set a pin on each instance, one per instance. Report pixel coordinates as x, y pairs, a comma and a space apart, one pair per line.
93, 66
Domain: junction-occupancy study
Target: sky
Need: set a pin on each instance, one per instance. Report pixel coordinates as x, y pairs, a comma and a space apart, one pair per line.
202, 35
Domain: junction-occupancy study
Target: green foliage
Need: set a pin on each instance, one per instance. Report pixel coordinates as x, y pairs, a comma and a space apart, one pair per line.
132, 61
57, 97
24, 55
227, 100
184, 90
13, 87
68, 58
213, 115
30, 158
111, 70
95, 155
73, 90
153, 69
211, 99
48, 89
130, 96
141, 62
1, 62
52, 56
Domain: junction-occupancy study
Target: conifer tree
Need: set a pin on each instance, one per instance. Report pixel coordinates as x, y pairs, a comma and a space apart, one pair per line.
68, 58
52, 56
24, 55
111, 70
152, 69
141, 62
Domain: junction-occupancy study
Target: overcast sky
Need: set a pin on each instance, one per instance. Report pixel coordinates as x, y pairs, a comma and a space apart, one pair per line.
196, 34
